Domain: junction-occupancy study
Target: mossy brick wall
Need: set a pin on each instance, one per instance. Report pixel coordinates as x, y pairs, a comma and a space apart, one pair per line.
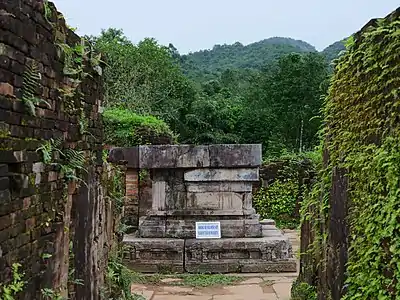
351, 231
40, 215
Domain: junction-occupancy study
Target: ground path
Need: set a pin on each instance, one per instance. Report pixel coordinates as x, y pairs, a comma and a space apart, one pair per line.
272, 286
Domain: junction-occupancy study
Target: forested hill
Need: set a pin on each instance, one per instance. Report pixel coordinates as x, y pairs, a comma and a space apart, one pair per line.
332, 51
205, 64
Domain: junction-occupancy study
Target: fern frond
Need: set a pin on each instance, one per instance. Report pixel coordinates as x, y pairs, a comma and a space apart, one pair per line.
75, 158
31, 80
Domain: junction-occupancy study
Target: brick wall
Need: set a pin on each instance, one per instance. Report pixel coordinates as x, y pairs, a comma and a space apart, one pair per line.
42, 213
131, 206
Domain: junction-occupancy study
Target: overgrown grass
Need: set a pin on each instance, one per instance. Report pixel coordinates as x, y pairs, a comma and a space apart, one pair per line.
193, 280
124, 128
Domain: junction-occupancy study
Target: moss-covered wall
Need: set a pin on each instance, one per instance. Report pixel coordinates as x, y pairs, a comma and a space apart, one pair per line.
52, 204
351, 224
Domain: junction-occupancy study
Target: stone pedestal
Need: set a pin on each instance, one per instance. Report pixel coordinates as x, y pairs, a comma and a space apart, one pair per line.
198, 184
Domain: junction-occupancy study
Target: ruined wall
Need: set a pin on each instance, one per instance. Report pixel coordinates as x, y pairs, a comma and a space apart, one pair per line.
44, 209
351, 231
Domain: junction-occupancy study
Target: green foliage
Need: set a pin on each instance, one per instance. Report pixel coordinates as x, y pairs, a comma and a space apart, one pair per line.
115, 187
362, 137
206, 64
207, 280
71, 160
303, 291
118, 281
50, 294
10, 290
332, 51
143, 78
126, 128
31, 81
194, 280
281, 105
278, 202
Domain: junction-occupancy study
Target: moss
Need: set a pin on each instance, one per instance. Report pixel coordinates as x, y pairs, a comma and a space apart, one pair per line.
362, 136
126, 128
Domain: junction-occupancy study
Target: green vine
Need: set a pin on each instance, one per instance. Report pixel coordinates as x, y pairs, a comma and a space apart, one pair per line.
362, 136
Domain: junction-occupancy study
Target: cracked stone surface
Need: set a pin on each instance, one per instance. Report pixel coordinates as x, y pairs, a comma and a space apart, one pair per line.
272, 286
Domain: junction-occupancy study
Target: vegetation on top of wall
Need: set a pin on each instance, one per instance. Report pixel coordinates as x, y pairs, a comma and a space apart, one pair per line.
125, 128
362, 137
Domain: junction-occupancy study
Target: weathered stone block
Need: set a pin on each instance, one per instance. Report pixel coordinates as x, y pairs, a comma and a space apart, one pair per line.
235, 155
206, 175
200, 187
173, 156
128, 156
239, 255
215, 200
154, 255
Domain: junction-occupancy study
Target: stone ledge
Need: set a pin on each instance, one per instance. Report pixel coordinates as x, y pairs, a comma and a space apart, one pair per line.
188, 156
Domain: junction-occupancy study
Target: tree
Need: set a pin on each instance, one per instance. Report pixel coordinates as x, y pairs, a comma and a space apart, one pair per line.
282, 102
144, 78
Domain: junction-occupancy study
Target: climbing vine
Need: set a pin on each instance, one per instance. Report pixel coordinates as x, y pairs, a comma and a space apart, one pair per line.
361, 136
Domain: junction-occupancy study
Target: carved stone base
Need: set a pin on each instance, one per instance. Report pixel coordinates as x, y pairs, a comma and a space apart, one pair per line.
154, 255
243, 255
271, 253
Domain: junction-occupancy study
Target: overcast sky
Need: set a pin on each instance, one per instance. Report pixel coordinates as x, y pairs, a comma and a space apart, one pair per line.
192, 25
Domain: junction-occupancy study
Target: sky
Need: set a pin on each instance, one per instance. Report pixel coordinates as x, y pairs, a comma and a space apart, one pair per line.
192, 25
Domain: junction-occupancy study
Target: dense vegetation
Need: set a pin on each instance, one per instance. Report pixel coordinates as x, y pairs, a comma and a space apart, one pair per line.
268, 92
354, 209
206, 64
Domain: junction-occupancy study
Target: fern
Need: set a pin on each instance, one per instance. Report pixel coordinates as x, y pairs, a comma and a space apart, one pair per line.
48, 148
75, 158
31, 79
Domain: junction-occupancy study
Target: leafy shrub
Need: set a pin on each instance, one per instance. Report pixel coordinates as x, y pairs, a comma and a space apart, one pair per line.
118, 281
303, 291
279, 199
278, 202
125, 128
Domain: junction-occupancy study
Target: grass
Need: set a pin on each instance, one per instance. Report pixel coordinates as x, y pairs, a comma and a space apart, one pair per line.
193, 280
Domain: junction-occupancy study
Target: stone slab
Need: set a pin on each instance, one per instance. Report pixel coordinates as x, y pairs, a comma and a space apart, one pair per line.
150, 255
206, 175
201, 187
215, 200
173, 156
249, 255
127, 156
234, 155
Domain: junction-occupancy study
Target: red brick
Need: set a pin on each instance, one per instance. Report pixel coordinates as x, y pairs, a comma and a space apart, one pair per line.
30, 223
131, 192
26, 203
6, 89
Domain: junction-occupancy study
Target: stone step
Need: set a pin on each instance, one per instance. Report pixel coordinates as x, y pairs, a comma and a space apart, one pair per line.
267, 222
226, 255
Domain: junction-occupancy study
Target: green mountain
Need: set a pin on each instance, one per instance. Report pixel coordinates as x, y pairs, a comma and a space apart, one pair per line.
332, 51
207, 64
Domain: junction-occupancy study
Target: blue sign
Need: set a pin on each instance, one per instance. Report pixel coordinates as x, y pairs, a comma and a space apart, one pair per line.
208, 230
